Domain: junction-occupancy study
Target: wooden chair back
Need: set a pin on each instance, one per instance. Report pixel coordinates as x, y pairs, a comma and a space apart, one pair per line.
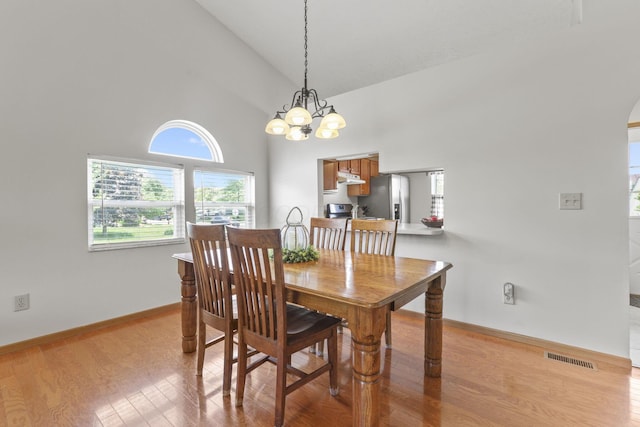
264, 315
214, 293
259, 279
376, 237
210, 264
328, 233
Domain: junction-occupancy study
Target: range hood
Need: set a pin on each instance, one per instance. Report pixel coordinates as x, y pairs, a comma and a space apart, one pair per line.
349, 178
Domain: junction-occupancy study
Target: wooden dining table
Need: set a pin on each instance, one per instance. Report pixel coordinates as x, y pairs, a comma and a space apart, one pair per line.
361, 289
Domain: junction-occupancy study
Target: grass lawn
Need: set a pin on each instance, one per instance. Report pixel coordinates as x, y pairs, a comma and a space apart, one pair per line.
126, 234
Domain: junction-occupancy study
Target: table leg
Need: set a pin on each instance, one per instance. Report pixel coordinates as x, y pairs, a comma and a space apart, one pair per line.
189, 306
433, 330
366, 334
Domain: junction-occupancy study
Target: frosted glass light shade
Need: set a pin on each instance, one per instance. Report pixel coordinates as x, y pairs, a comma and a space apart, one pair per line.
295, 134
298, 116
333, 121
325, 133
277, 126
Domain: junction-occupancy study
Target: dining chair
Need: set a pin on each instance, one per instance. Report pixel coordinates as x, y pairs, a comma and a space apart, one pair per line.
327, 233
376, 237
267, 323
214, 294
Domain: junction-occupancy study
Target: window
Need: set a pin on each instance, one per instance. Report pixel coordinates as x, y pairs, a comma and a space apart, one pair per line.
437, 193
224, 197
634, 172
134, 204
182, 138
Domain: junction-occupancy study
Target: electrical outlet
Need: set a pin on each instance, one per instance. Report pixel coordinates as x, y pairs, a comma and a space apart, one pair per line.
572, 201
509, 293
21, 302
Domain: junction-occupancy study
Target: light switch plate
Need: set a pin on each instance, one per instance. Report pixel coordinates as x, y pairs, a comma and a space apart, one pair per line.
570, 201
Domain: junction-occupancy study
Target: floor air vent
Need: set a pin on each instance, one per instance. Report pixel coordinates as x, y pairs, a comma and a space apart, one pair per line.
570, 360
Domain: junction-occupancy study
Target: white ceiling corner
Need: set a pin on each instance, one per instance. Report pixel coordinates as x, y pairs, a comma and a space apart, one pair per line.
353, 44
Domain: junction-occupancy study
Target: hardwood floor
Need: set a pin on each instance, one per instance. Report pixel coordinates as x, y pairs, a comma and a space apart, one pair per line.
137, 375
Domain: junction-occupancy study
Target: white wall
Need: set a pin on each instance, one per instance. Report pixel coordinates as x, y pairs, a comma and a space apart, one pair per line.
512, 129
99, 77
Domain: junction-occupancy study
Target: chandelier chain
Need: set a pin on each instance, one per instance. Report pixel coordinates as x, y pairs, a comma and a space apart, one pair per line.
306, 61
305, 106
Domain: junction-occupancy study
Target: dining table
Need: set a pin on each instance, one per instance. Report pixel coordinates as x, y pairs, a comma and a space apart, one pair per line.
360, 288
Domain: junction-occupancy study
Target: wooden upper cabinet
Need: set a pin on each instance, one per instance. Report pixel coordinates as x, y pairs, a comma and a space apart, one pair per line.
330, 175
374, 168
364, 166
355, 167
350, 166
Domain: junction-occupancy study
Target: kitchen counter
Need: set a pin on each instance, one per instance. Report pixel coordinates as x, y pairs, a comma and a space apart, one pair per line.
418, 229
414, 229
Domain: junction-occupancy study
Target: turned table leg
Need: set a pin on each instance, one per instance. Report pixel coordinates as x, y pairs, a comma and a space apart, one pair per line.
366, 334
189, 306
433, 329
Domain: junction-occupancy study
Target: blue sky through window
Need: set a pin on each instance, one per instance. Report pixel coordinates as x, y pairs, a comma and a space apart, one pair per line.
182, 143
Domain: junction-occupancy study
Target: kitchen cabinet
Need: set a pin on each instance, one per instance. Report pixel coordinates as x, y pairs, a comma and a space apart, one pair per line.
354, 165
330, 175
364, 170
349, 166
374, 171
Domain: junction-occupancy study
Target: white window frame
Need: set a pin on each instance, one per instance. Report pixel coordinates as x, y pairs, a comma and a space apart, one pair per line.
177, 204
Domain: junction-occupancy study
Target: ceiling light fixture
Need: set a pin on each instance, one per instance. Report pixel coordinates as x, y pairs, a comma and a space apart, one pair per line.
296, 125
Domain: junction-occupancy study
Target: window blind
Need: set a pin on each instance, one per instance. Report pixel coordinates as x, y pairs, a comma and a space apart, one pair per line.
134, 204
224, 197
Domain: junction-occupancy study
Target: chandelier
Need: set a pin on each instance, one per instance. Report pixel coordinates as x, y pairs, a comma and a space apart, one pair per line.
306, 106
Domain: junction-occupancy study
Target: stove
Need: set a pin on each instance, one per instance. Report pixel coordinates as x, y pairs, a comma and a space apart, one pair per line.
339, 210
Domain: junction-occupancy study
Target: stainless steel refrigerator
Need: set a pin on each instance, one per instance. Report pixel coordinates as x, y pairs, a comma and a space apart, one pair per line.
389, 198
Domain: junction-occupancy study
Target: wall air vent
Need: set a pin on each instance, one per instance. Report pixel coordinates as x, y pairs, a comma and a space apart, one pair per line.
570, 360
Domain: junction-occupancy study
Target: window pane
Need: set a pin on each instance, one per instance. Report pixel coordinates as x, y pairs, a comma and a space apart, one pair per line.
182, 138
224, 198
634, 179
182, 143
437, 193
134, 204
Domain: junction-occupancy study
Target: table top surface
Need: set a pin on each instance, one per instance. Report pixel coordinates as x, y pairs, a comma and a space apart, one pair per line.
359, 279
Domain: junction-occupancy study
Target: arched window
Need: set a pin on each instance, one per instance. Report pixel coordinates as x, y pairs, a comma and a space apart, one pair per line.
182, 138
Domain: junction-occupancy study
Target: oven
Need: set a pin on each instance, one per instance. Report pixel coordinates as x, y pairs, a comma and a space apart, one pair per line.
339, 210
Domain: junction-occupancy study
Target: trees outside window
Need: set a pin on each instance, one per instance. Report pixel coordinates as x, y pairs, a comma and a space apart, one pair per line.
134, 204
224, 197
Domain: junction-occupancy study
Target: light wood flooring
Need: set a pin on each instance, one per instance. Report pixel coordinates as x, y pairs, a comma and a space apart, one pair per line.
137, 375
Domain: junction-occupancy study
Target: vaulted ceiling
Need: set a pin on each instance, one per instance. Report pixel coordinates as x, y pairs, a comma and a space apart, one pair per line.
357, 43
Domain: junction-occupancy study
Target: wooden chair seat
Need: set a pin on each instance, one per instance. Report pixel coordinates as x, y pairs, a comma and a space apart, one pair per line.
302, 322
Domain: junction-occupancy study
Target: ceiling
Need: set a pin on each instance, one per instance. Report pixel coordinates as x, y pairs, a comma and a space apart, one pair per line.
357, 43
